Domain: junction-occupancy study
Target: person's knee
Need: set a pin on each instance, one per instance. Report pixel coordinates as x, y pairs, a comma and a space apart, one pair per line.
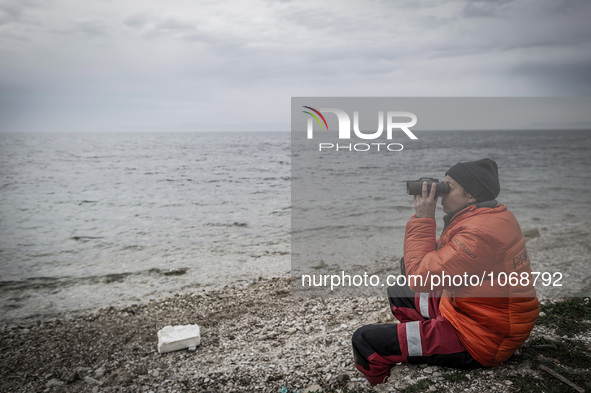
358, 335
360, 347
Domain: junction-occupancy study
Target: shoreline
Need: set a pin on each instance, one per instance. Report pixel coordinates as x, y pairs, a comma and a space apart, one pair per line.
113, 283
254, 337
561, 248
251, 336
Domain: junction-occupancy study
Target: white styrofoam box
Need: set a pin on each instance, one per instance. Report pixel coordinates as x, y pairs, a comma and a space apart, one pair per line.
173, 338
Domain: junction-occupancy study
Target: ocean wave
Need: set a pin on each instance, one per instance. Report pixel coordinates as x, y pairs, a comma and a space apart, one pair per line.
44, 283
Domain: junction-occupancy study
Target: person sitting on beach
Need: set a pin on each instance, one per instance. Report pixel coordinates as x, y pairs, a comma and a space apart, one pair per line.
465, 326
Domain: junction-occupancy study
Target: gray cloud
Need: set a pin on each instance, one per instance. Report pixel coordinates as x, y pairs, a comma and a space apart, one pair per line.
137, 20
87, 27
175, 25
13, 11
484, 8
559, 79
145, 64
169, 27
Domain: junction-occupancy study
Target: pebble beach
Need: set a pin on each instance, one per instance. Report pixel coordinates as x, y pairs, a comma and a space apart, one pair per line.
255, 336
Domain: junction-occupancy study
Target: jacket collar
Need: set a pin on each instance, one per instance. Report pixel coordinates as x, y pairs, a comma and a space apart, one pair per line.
448, 218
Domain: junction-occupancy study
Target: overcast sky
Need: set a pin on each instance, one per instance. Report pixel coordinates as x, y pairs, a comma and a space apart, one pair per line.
131, 65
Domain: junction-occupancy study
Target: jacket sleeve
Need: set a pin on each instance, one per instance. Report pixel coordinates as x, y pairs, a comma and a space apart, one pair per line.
469, 252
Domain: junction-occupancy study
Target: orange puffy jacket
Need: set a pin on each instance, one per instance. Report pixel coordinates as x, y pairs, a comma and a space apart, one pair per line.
492, 317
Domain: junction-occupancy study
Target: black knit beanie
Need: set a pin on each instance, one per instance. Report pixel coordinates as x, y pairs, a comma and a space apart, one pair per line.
480, 178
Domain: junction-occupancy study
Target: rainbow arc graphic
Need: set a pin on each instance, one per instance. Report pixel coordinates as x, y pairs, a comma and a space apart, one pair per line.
315, 117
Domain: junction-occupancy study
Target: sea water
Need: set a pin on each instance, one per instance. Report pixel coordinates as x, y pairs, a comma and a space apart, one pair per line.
96, 219
90, 220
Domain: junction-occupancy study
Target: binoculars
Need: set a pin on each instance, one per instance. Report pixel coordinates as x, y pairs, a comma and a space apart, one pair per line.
415, 187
